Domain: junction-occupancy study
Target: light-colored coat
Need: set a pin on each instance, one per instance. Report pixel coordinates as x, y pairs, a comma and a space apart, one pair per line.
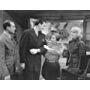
9, 56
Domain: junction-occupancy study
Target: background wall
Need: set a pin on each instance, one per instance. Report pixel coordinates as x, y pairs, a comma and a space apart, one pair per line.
21, 18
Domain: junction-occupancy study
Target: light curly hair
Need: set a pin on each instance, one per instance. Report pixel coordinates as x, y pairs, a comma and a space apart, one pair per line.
78, 30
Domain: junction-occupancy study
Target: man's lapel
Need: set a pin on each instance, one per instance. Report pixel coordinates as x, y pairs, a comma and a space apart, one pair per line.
40, 38
35, 37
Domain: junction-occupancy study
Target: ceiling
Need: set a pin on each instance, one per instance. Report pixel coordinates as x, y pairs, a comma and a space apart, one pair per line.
22, 16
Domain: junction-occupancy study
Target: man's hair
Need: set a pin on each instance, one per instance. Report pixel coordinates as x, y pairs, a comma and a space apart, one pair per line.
39, 21
6, 24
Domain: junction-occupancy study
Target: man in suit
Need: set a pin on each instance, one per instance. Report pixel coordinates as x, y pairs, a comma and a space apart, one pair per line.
9, 57
31, 48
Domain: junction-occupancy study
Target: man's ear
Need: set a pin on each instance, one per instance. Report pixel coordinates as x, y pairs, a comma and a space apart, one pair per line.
7, 28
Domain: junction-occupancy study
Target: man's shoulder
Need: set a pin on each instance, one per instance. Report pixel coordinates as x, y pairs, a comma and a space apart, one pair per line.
2, 37
27, 31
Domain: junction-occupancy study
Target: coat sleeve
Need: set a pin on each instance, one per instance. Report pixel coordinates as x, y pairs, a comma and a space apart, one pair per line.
42, 49
23, 47
17, 58
66, 54
3, 68
82, 55
82, 50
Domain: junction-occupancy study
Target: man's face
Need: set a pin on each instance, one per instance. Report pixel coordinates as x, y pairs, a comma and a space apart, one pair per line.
42, 26
12, 28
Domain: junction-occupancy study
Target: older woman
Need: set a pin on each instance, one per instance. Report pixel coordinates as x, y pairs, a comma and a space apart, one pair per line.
75, 52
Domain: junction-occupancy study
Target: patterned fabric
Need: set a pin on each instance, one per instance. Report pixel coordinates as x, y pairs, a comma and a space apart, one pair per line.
9, 56
55, 54
76, 50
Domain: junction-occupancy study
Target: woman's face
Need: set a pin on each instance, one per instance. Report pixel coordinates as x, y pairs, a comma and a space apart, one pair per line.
42, 26
53, 38
74, 34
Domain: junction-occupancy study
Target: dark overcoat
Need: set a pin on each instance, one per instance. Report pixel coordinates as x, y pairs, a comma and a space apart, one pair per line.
29, 40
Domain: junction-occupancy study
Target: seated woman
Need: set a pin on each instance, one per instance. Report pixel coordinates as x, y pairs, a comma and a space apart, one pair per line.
76, 50
51, 67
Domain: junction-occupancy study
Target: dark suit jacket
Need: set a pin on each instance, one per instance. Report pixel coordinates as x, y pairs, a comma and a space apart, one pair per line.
28, 41
9, 55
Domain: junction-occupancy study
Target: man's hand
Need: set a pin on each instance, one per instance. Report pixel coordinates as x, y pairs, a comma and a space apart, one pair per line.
7, 77
34, 51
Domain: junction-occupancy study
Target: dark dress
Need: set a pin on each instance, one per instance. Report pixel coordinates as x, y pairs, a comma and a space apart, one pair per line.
29, 40
76, 55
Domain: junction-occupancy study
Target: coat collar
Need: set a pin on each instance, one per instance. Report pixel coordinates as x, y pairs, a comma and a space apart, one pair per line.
7, 34
74, 40
7, 39
35, 37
